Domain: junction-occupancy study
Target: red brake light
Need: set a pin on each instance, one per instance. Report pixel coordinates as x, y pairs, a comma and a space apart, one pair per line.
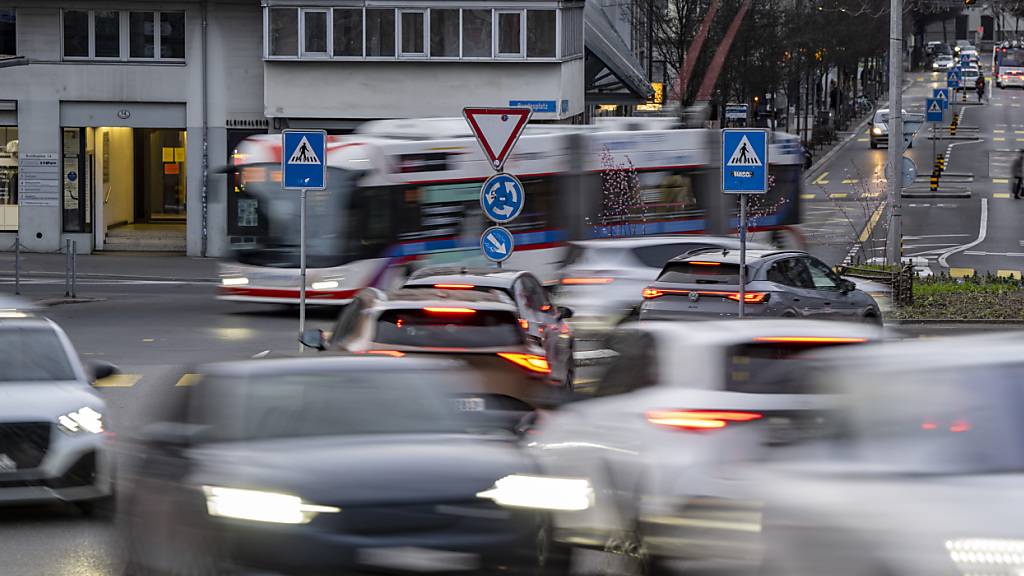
700, 263
393, 353
531, 362
960, 426
524, 324
652, 293
455, 286
436, 310
810, 340
585, 281
929, 425
749, 297
699, 419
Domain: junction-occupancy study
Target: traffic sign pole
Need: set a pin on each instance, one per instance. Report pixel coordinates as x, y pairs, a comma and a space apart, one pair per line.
302, 267
743, 252
744, 172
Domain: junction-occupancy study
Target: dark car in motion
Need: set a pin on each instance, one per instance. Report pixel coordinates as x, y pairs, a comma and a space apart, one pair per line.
780, 283
328, 465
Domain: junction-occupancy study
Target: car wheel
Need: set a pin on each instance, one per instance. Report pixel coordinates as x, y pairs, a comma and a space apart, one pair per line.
873, 319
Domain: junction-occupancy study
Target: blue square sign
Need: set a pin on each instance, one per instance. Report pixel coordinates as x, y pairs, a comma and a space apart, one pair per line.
744, 161
942, 95
933, 110
304, 159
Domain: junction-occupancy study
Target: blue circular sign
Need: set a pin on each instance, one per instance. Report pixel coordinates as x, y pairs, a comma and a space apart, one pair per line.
502, 197
72, 176
497, 243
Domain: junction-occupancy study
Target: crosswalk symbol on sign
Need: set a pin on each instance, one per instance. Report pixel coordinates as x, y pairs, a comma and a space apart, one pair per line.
303, 154
935, 107
744, 155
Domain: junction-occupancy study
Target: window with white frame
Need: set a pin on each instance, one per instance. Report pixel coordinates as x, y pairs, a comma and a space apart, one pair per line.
123, 35
510, 33
438, 32
314, 32
412, 26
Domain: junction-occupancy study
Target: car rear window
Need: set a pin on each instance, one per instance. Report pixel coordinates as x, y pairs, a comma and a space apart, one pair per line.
453, 327
657, 256
772, 367
700, 273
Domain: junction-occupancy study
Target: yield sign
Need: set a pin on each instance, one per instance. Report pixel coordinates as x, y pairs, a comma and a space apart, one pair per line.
497, 130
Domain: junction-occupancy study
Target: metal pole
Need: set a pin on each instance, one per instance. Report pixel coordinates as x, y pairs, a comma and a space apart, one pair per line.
743, 251
894, 239
17, 266
67, 268
302, 268
74, 266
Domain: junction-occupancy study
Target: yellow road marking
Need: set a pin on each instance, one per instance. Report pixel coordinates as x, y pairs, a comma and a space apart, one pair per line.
839, 195
1018, 131
808, 196
997, 139
851, 181
866, 233
1020, 139
871, 195
188, 380
1015, 274
118, 381
148, 340
1000, 181
961, 272
862, 139
821, 178
1001, 195
1000, 131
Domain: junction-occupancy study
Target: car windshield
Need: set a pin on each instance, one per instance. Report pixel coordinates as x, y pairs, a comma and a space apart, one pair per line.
774, 367
33, 354
297, 404
657, 256
448, 327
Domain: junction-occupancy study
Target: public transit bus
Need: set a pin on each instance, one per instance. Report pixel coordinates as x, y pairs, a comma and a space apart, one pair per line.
1008, 65
403, 194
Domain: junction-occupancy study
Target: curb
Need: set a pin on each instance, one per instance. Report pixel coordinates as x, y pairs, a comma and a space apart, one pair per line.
59, 301
936, 322
99, 276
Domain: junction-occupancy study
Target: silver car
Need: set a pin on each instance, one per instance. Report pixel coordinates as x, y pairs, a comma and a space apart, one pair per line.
780, 283
53, 426
602, 280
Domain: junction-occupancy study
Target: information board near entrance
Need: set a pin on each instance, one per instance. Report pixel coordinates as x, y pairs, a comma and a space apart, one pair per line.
39, 177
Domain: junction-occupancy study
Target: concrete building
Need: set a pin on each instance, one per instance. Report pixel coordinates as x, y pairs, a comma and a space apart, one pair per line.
116, 118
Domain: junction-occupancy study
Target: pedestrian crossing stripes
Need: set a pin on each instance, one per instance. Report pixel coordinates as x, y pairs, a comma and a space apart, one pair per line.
961, 272
118, 381
1015, 274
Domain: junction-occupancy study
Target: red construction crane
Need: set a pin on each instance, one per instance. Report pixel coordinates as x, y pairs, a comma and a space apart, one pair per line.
692, 54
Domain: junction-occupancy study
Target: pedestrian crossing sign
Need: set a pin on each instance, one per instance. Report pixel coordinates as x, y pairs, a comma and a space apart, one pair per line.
744, 161
942, 95
933, 110
303, 159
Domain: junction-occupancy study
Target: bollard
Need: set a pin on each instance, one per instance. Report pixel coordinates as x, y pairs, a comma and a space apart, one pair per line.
67, 268
17, 266
74, 266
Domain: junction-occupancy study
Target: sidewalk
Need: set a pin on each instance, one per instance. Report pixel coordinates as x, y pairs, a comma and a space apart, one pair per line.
123, 266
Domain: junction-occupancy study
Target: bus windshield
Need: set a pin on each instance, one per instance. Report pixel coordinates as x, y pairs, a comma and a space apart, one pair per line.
1012, 58
327, 228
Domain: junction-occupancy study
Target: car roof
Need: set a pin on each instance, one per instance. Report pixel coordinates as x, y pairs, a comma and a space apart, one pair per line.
486, 277
731, 332
655, 241
27, 321
326, 362
420, 297
732, 256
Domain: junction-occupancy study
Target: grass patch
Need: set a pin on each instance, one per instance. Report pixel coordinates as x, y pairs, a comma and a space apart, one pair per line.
973, 298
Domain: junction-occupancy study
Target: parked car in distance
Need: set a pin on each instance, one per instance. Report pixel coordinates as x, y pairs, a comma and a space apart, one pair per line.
780, 283
603, 279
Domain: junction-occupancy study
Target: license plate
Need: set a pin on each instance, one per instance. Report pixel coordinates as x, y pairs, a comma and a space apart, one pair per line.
783, 431
7, 464
415, 559
469, 404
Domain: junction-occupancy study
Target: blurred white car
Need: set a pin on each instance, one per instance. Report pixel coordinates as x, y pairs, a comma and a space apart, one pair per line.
53, 445
680, 401
926, 477
943, 62
602, 281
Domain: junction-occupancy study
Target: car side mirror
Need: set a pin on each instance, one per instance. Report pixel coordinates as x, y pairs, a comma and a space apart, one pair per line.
564, 312
98, 370
313, 338
846, 286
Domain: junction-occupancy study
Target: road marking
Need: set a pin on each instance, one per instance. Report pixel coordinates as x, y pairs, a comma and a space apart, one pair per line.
1000, 131
997, 139
851, 181
1001, 195
118, 381
982, 232
148, 340
1018, 131
1000, 180
862, 139
821, 178
808, 196
999, 104
866, 233
188, 380
838, 195
961, 272
1015, 274
871, 195
936, 236
1007, 254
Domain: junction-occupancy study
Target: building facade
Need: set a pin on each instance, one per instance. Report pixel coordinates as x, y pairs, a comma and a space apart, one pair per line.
117, 119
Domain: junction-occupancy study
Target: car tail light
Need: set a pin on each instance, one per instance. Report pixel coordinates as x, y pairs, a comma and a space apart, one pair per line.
650, 293
810, 340
524, 324
749, 297
700, 263
531, 362
586, 281
694, 420
392, 353
955, 426
455, 286
436, 310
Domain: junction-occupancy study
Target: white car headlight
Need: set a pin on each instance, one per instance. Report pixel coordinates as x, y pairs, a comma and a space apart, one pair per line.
877, 131
991, 555
234, 281
82, 420
521, 491
259, 506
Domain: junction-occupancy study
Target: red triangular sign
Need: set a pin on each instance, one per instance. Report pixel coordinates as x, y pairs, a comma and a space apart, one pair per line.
497, 130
